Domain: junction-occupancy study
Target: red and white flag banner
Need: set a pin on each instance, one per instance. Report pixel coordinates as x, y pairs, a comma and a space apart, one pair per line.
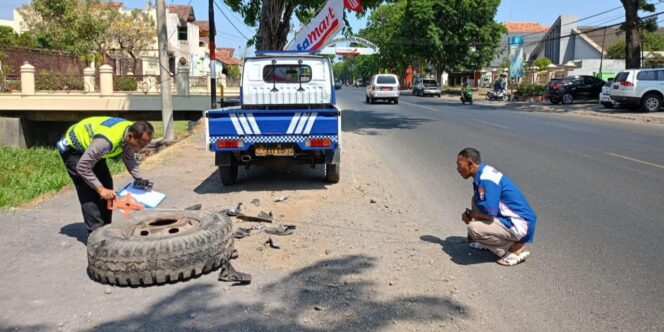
353, 5
321, 29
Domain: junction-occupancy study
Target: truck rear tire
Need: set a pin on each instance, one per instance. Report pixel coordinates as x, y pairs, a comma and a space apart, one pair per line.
154, 247
332, 173
228, 174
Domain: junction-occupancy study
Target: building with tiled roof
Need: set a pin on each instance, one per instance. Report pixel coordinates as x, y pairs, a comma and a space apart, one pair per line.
531, 32
585, 46
225, 55
185, 13
519, 27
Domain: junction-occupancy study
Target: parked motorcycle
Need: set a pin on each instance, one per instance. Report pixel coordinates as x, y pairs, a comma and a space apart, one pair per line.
499, 90
498, 95
467, 96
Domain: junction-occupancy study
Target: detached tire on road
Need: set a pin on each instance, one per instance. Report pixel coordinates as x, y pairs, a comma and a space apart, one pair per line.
153, 247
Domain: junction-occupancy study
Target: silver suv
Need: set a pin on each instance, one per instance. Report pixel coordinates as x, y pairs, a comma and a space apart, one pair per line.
426, 86
639, 87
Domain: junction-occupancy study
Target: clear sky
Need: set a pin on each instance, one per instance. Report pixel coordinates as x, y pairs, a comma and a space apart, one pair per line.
543, 12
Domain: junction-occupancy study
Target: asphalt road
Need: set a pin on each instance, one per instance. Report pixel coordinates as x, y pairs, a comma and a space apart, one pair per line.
596, 185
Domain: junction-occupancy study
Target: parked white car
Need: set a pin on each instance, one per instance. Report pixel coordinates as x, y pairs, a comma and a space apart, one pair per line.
382, 86
639, 87
605, 96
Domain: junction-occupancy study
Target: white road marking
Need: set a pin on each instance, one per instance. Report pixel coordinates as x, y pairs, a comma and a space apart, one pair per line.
490, 124
420, 106
636, 160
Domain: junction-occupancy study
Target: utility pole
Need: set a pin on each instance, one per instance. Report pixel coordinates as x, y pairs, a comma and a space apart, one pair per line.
165, 73
213, 60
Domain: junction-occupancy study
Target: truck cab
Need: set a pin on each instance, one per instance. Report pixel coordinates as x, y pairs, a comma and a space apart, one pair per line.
287, 111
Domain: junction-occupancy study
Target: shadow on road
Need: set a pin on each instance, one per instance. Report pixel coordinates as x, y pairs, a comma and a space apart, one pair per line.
76, 230
366, 122
273, 177
457, 248
325, 296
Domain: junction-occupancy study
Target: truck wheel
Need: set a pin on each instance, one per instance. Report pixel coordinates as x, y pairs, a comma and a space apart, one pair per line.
228, 174
332, 173
154, 247
366, 99
396, 101
651, 102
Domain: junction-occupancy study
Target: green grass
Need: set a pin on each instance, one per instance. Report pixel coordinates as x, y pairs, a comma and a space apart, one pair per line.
181, 128
26, 174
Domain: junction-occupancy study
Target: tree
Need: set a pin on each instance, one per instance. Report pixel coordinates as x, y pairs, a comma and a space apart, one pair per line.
451, 34
68, 25
632, 26
654, 60
542, 62
273, 18
234, 72
651, 42
383, 29
132, 33
7, 36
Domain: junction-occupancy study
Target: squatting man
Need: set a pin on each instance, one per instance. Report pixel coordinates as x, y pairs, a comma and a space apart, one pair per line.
500, 220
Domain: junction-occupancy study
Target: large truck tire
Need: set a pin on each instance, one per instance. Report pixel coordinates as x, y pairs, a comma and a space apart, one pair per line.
153, 247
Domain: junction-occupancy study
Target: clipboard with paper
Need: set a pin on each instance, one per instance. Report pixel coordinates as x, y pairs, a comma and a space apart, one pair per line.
149, 199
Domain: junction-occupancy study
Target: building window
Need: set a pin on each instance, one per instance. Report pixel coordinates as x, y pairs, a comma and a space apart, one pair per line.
182, 33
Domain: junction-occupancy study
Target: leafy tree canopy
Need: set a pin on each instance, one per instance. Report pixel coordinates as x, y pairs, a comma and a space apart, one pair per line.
452, 34
273, 17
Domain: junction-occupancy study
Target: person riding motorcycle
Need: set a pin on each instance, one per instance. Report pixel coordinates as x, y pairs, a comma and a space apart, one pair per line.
467, 93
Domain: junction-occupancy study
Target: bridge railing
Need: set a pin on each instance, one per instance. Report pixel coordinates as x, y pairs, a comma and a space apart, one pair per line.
102, 80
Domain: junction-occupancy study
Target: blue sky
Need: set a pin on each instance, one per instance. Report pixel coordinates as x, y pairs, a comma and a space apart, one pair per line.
543, 12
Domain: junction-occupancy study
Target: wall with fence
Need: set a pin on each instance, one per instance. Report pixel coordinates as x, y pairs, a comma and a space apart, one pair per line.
31, 80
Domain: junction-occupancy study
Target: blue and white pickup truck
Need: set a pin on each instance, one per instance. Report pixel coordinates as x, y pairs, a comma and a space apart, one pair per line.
287, 111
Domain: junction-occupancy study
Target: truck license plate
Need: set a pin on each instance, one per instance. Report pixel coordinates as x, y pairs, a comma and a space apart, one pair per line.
274, 150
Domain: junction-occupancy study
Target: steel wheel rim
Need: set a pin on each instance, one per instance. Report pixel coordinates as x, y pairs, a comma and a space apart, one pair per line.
652, 103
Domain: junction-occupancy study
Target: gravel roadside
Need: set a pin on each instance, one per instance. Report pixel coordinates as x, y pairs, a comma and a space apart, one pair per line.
357, 260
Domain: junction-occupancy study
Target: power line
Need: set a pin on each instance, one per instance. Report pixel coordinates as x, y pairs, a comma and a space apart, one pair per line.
582, 19
229, 21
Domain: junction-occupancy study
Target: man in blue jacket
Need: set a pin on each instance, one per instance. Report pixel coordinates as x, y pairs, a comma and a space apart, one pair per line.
501, 219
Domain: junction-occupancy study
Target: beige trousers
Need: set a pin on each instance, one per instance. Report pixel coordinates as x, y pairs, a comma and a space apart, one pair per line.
492, 234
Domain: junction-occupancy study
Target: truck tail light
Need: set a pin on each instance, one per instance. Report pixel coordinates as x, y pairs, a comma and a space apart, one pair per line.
626, 83
229, 143
319, 142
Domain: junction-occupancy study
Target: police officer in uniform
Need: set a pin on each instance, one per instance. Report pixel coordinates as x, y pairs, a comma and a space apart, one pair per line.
84, 148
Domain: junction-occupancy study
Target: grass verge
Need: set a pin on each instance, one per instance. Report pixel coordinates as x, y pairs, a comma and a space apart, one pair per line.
26, 174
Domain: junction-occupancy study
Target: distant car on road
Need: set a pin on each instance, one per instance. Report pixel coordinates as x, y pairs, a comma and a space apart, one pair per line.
567, 89
382, 86
426, 87
639, 87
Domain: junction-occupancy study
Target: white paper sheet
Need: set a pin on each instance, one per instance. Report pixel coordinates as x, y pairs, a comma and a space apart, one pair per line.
149, 199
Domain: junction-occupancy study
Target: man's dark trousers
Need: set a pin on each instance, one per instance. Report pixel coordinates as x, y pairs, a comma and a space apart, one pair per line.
94, 208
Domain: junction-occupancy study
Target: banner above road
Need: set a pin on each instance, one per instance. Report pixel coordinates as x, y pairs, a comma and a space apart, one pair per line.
370, 48
327, 24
